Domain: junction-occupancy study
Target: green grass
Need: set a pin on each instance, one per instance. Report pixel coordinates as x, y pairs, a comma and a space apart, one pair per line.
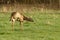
46, 26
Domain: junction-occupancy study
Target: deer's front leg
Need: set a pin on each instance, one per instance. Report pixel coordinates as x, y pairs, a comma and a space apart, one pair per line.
21, 23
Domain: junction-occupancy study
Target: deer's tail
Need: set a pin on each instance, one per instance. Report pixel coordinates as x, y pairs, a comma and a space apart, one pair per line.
28, 19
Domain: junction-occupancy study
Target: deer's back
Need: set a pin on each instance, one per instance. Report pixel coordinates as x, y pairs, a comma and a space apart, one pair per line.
16, 15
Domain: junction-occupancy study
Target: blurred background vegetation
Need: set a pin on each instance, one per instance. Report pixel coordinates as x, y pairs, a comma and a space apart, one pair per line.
18, 5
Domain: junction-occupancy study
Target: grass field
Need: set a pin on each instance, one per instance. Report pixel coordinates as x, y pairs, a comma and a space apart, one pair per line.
46, 26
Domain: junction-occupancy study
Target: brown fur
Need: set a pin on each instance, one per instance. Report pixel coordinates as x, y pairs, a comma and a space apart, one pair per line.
19, 17
28, 19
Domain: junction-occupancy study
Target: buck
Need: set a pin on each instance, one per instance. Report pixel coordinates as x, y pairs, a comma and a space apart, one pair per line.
16, 16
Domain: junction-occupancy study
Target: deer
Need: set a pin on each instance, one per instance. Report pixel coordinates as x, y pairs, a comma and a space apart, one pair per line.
16, 16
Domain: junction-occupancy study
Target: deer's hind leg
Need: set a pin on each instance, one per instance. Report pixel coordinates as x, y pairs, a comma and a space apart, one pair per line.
13, 21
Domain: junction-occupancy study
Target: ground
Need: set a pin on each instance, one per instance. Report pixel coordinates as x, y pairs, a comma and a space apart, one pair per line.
46, 26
